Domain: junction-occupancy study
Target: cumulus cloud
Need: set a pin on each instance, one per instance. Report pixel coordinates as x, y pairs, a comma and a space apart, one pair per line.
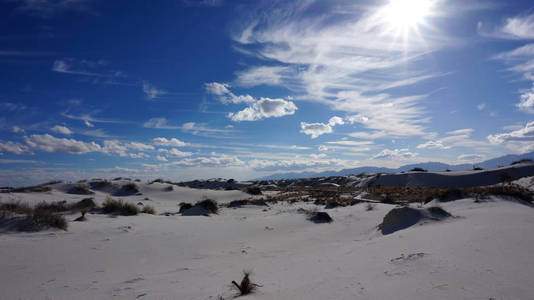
173, 142
525, 134
481, 106
139, 146
161, 158
395, 154
177, 153
138, 155
318, 129
14, 148
264, 108
49, 143
151, 92
17, 129
225, 95
61, 129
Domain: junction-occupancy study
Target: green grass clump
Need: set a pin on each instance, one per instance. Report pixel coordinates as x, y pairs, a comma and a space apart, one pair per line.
148, 209
113, 206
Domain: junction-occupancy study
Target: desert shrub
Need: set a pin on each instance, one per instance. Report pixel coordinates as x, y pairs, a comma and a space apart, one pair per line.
100, 184
147, 209
130, 188
477, 169
32, 189
524, 160
169, 188
58, 206
230, 181
40, 219
246, 286
253, 190
418, 170
239, 203
16, 208
452, 194
80, 189
229, 188
129, 209
184, 206
112, 206
369, 207
84, 204
209, 205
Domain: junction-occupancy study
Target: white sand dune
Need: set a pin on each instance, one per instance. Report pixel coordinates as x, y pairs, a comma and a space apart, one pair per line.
484, 251
453, 179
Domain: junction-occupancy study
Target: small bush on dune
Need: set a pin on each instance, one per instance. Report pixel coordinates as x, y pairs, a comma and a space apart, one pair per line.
129, 209
39, 219
254, 190
418, 170
320, 217
209, 205
147, 209
439, 212
84, 204
246, 286
184, 206
112, 206
369, 207
80, 189
58, 206
169, 188
16, 208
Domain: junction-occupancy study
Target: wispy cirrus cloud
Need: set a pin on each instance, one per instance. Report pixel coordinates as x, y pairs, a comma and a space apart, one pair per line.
151, 92
515, 28
521, 59
49, 8
344, 62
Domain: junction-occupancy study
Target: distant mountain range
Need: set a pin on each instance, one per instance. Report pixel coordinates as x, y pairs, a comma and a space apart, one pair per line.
430, 166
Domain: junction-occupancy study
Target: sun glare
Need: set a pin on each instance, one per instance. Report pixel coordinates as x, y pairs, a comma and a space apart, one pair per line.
405, 15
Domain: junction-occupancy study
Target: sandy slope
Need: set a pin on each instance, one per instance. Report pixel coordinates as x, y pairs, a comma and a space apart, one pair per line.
453, 179
484, 252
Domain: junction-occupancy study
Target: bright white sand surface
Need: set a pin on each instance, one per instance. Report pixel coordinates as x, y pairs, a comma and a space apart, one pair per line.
483, 252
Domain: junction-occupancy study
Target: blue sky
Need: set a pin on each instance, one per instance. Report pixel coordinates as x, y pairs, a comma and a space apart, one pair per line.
240, 89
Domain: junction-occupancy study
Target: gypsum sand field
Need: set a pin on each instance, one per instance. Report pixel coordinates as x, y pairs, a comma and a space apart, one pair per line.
482, 251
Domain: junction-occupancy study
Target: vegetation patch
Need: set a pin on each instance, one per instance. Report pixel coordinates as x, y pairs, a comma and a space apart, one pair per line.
118, 207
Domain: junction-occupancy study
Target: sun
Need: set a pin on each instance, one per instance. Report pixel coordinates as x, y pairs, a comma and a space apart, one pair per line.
402, 16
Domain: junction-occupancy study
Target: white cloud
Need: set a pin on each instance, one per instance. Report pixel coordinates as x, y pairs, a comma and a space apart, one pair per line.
61, 129
17, 129
470, 158
313, 161
263, 75
344, 62
213, 161
350, 143
515, 28
395, 154
205, 3
80, 67
433, 145
50, 143
315, 129
161, 158
318, 129
525, 134
264, 108
138, 155
466, 131
225, 95
139, 146
88, 124
48, 8
481, 106
173, 142
14, 148
177, 153
526, 101
151, 92
114, 147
